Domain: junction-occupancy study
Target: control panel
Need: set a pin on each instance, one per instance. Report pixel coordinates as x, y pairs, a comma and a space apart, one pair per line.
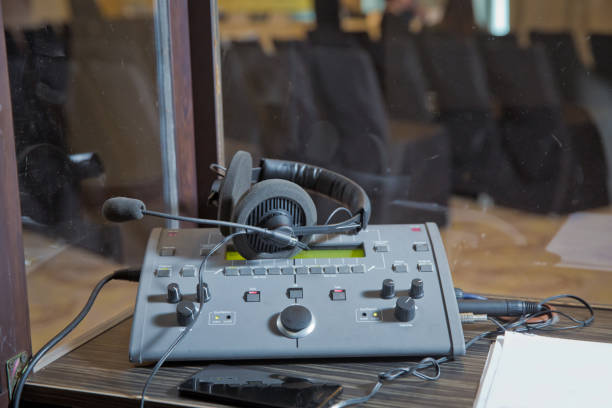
386, 291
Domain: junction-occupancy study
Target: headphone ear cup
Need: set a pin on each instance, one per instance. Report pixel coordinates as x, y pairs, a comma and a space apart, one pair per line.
235, 184
270, 204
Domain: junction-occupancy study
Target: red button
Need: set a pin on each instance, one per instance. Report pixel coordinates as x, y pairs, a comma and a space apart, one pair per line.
416, 229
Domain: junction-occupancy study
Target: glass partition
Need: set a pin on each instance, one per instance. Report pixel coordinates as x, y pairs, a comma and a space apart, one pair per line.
490, 118
85, 108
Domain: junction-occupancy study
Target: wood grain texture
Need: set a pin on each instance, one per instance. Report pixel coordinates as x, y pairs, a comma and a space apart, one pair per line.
14, 323
99, 374
503, 251
182, 93
206, 87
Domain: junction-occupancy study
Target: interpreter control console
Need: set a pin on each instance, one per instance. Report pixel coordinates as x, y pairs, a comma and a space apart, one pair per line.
386, 291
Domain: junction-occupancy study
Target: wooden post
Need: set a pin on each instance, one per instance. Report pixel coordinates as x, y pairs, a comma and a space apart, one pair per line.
14, 316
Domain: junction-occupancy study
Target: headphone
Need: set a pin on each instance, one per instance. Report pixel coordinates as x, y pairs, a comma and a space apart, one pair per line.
266, 208
273, 196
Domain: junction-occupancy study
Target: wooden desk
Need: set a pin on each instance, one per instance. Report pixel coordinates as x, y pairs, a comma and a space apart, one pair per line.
98, 374
502, 251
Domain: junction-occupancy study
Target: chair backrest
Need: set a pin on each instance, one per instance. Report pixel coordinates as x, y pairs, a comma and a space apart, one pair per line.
349, 94
456, 72
521, 77
405, 83
564, 60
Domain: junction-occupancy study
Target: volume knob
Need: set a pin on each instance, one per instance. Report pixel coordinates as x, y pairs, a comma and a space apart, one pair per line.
185, 313
202, 292
388, 289
174, 293
405, 309
416, 289
295, 321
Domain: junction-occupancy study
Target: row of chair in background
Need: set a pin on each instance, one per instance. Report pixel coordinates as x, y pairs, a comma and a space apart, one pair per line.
415, 116
519, 132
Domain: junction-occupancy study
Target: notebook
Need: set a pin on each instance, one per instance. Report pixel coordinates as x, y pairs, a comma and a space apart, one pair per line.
526, 370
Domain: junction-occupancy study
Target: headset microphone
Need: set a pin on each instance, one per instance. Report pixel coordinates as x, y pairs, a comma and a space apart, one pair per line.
270, 203
121, 209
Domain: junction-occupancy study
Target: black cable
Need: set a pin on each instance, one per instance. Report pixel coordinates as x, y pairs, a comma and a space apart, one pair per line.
129, 274
519, 325
188, 328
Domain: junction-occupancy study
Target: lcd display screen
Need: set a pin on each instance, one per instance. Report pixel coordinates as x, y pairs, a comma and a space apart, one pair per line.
327, 251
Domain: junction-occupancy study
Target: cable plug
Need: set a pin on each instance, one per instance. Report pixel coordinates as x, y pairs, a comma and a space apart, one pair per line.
128, 274
472, 318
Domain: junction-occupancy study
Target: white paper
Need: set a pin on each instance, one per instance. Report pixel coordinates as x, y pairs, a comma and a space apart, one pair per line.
584, 241
536, 371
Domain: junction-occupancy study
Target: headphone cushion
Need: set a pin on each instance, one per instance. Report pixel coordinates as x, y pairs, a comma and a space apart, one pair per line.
264, 199
236, 183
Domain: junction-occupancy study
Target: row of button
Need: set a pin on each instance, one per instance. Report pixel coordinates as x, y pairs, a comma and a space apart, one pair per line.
401, 267
378, 247
290, 270
188, 271
294, 293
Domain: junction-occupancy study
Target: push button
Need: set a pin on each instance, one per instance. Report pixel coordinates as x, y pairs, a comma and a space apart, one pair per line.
316, 270
420, 247
229, 271
274, 271
205, 249
301, 270
329, 270
188, 271
245, 271
259, 271
295, 293
337, 294
425, 267
287, 270
167, 251
400, 267
381, 247
359, 269
164, 271
344, 269
252, 296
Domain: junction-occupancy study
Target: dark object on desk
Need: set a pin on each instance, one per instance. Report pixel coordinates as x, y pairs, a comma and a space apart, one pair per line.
255, 388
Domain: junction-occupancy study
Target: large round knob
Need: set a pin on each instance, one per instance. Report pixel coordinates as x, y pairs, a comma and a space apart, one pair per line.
416, 289
174, 293
295, 321
185, 312
405, 309
388, 289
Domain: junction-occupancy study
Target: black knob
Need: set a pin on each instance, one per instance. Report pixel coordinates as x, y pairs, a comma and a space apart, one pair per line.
295, 321
416, 289
185, 312
203, 292
405, 309
174, 293
388, 289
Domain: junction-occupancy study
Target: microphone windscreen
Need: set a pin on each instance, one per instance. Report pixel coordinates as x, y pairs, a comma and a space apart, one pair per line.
120, 209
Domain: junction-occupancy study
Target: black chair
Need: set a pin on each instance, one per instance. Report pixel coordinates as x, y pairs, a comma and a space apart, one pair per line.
544, 165
459, 79
404, 82
601, 46
565, 63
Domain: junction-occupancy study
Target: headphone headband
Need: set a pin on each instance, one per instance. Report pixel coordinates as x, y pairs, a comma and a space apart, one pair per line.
320, 180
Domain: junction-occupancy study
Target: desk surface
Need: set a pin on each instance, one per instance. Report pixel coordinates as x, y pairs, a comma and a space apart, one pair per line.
99, 373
